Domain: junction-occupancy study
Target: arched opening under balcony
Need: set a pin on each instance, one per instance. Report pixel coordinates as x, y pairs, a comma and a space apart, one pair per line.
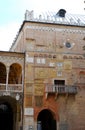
46, 120
10, 113
6, 116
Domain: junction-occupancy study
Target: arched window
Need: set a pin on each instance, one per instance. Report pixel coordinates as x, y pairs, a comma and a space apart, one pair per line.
15, 74
2, 73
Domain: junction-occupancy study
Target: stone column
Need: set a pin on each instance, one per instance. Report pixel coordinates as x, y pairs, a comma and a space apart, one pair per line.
7, 76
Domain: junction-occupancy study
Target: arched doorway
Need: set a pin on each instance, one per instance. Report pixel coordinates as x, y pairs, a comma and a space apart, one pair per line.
6, 117
46, 120
10, 114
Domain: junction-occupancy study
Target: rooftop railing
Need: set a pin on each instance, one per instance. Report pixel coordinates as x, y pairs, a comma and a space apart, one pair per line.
52, 17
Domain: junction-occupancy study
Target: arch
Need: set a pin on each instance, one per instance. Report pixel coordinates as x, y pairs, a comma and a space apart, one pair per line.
65, 57
6, 116
70, 57
45, 55
10, 113
2, 73
80, 57
40, 55
54, 56
15, 74
82, 76
35, 55
82, 73
46, 120
75, 57
50, 56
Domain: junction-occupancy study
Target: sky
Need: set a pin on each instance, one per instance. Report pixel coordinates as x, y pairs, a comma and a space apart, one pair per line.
12, 15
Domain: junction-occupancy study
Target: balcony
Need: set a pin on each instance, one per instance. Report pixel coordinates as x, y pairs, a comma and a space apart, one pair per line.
60, 89
11, 87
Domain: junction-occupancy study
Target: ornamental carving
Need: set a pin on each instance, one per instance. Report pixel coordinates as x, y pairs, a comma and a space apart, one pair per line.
39, 89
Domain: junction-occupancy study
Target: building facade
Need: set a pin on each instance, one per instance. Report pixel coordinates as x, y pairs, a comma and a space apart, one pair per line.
11, 90
43, 74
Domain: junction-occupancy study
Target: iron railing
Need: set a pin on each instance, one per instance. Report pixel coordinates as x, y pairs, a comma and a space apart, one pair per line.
61, 89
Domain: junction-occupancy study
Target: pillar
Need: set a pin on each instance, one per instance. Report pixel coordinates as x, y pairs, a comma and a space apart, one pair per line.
7, 76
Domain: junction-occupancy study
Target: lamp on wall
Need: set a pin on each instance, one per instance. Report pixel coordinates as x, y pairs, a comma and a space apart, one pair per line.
17, 96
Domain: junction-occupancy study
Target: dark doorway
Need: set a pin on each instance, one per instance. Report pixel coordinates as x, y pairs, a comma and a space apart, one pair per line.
59, 82
6, 117
46, 121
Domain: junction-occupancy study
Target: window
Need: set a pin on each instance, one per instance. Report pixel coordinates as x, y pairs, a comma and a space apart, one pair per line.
30, 59
59, 82
51, 64
68, 44
59, 64
41, 60
59, 73
38, 61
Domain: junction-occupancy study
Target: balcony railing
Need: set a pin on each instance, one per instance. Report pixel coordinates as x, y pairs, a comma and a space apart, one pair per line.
14, 87
2, 87
61, 89
11, 87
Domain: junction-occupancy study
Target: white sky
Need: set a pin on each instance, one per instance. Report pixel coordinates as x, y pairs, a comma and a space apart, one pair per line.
12, 14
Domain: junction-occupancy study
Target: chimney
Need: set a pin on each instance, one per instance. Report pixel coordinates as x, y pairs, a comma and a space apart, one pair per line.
61, 12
